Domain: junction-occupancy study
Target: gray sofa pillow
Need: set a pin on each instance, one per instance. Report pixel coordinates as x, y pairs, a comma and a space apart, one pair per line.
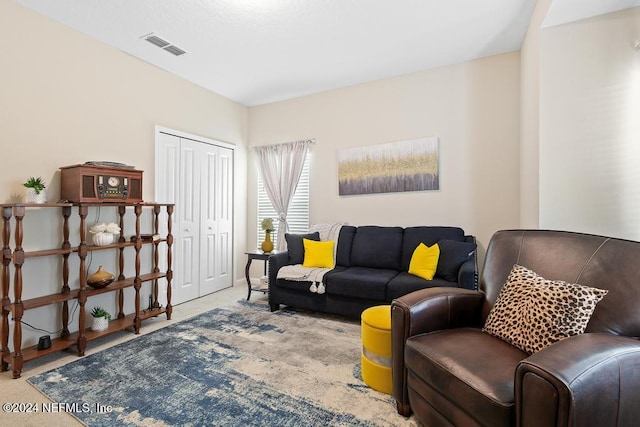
296, 247
452, 256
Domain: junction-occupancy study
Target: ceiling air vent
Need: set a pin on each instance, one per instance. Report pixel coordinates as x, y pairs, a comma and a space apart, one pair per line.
175, 50
163, 44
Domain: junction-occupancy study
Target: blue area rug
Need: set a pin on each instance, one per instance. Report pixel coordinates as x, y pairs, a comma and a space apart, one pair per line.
239, 366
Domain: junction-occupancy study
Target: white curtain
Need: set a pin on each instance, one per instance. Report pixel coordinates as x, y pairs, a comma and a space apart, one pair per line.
280, 166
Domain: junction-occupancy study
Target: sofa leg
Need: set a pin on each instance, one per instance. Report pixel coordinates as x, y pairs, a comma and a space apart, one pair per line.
274, 307
403, 409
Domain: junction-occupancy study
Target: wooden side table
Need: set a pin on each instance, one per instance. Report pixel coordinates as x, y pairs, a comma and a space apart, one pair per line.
259, 255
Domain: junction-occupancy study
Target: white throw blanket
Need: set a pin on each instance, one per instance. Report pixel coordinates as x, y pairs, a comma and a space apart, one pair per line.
298, 273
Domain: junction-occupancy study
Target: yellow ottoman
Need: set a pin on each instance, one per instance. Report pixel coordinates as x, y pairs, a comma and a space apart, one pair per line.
376, 348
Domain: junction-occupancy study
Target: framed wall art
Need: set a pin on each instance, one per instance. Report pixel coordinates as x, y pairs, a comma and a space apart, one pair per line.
410, 165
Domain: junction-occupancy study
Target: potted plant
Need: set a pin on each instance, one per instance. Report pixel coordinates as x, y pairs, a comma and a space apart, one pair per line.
267, 226
35, 190
101, 319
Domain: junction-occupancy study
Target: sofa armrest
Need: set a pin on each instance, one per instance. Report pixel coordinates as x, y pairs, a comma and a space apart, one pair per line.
276, 262
468, 273
423, 311
588, 379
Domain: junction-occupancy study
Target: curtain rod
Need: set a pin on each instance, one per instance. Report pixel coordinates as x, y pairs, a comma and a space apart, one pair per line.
310, 140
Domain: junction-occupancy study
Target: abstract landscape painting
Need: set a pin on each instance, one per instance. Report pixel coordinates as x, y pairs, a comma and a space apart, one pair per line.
391, 167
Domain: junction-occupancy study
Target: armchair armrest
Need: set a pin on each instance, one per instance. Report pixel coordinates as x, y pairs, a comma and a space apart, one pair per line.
589, 379
423, 311
432, 309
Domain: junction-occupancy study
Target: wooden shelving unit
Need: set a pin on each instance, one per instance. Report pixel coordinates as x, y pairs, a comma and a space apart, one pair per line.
14, 306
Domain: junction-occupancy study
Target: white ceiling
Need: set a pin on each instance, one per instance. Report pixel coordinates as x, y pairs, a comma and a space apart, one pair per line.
260, 51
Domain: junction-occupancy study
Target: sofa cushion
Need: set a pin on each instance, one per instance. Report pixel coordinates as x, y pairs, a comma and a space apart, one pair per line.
295, 246
413, 236
452, 255
478, 369
359, 282
532, 313
377, 247
405, 283
343, 246
318, 254
424, 261
303, 285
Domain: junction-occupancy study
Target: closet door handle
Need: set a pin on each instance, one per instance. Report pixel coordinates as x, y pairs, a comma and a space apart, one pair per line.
187, 230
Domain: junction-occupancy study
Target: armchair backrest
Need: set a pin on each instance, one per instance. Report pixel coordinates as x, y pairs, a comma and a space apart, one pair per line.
597, 261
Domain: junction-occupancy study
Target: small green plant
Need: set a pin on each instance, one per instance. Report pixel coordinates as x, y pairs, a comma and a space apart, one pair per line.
267, 225
100, 312
36, 183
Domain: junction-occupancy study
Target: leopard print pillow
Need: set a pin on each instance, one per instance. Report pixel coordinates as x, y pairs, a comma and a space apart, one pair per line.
532, 313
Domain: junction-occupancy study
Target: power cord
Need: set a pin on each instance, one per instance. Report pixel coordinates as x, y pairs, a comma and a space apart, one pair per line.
73, 312
76, 305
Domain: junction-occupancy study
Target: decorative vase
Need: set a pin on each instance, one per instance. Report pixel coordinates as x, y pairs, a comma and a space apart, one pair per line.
100, 279
32, 197
100, 324
102, 239
267, 245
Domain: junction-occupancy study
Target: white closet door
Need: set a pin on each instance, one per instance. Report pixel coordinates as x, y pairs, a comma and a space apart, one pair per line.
208, 220
198, 178
167, 185
216, 243
224, 220
188, 246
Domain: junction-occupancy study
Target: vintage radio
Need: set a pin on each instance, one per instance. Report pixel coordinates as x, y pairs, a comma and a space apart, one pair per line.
93, 182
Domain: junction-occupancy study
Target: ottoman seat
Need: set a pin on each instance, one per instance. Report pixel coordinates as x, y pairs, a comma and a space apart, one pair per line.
376, 348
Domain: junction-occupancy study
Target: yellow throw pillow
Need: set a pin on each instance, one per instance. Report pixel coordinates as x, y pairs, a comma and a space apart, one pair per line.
424, 261
318, 254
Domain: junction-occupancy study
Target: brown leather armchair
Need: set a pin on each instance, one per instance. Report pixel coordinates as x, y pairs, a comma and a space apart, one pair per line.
450, 373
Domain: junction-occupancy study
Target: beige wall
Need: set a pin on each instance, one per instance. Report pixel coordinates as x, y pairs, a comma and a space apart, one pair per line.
66, 98
590, 127
530, 119
473, 108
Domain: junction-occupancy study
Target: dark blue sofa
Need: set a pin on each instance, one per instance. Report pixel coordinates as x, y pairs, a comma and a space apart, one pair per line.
372, 264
